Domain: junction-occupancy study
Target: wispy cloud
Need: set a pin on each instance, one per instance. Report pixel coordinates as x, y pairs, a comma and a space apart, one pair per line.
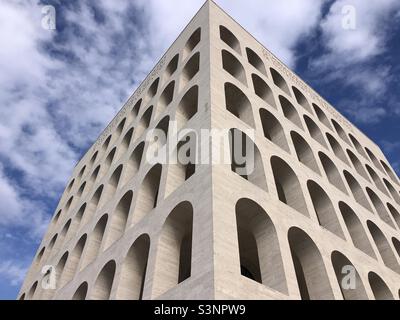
347, 45
12, 271
279, 25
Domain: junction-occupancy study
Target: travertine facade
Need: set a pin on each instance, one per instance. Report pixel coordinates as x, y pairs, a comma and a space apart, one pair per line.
321, 197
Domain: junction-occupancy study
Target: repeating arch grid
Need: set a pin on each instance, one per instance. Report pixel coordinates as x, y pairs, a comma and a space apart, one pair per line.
82, 290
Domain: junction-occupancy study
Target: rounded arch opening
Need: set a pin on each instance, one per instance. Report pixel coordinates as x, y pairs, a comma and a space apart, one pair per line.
174, 249
102, 286
288, 186
229, 38
349, 280
133, 272
310, 270
379, 288
258, 245
81, 292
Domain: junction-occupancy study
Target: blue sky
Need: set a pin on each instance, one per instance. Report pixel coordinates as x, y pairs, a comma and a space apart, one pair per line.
101, 50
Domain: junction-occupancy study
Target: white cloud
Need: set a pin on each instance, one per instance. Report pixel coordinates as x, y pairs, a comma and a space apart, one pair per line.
368, 38
279, 25
12, 271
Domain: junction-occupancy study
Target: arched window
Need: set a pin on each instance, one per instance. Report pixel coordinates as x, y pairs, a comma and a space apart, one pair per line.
378, 182
112, 184
379, 207
332, 172
152, 91
301, 99
357, 164
246, 159
238, 104
311, 275
288, 185
104, 282
192, 42
324, 209
93, 177
260, 258
52, 242
374, 160
81, 189
159, 137
190, 69
233, 66
273, 130
60, 270
183, 163
76, 222
358, 146
321, 116
255, 61
119, 219
39, 256
64, 231
133, 270
120, 128
392, 191
390, 172
133, 164
356, 190
229, 38
315, 131
352, 288
172, 66
383, 246
109, 160
70, 185
143, 122
356, 230
290, 112
340, 131
73, 260
187, 107
81, 292
68, 204
105, 145
56, 217
147, 195
82, 171
124, 145
395, 213
337, 149
94, 243
396, 244
32, 291
166, 96
94, 201
279, 81
379, 287
174, 249
135, 110
262, 90
304, 152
